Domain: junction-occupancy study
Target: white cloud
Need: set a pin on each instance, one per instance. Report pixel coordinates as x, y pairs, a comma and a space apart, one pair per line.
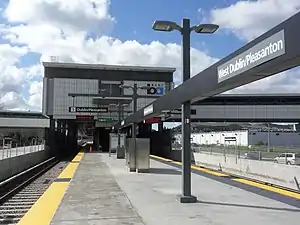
249, 19
11, 77
35, 92
13, 100
51, 29
61, 27
70, 16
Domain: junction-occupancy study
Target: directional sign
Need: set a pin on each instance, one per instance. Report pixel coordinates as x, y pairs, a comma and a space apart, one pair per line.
152, 120
106, 119
260, 53
87, 109
84, 117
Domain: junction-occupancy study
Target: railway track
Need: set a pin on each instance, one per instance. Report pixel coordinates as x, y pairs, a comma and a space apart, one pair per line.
18, 194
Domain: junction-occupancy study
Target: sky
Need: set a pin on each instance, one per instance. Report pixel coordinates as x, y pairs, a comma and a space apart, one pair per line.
119, 32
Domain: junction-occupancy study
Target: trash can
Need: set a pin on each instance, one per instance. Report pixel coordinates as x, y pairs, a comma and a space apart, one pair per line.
113, 142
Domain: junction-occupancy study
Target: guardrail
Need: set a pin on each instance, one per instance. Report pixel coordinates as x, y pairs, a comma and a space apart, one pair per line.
13, 152
240, 152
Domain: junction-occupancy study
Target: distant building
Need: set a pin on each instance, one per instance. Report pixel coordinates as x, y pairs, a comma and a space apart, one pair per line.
245, 138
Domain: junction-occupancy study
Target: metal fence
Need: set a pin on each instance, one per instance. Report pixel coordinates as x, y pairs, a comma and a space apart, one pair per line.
7, 151
256, 152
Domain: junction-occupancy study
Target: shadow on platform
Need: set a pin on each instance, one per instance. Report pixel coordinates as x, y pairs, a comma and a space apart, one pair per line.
164, 171
249, 206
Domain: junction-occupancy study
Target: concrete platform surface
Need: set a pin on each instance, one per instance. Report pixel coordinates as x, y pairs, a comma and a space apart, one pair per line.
104, 192
94, 198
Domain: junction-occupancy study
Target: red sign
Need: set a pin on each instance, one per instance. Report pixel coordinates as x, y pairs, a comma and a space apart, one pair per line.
84, 117
153, 120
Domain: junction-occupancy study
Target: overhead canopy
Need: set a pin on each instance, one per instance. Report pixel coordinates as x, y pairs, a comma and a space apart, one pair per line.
252, 99
273, 52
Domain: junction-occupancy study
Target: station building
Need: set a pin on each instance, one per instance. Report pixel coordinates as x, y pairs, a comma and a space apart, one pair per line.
288, 139
83, 97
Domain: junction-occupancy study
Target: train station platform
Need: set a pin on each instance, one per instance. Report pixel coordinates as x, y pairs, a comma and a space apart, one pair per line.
103, 191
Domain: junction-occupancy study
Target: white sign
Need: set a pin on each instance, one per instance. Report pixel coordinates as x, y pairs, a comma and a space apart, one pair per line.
72, 109
264, 51
148, 110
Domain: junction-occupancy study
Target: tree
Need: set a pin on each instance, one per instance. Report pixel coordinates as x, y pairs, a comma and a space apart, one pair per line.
1, 106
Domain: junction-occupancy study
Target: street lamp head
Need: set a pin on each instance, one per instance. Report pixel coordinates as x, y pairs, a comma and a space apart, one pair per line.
205, 28
161, 25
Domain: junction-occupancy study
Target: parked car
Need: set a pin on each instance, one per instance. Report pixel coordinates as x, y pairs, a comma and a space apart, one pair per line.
253, 155
288, 158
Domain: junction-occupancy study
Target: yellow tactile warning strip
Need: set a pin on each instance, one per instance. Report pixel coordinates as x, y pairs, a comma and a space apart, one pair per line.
43, 210
277, 190
69, 171
157, 157
193, 166
268, 188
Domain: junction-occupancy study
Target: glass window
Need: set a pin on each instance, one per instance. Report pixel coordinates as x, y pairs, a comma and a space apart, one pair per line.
110, 89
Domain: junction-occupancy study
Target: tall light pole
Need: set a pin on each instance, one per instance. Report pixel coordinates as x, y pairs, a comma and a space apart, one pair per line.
135, 96
185, 29
119, 106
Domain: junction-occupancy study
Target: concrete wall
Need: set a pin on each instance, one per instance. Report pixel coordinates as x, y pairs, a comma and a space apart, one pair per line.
279, 174
14, 165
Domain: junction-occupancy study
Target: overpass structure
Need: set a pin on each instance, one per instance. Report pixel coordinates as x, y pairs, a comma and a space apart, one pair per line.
243, 108
19, 119
273, 52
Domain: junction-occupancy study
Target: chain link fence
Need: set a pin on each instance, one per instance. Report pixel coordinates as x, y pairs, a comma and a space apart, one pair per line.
255, 152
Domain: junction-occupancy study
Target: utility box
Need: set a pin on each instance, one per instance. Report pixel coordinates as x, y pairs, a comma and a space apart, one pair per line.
130, 155
113, 142
143, 155
120, 152
140, 163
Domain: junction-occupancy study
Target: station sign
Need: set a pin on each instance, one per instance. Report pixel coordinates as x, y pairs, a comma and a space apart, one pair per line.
178, 111
106, 120
88, 109
84, 117
268, 49
148, 110
152, 120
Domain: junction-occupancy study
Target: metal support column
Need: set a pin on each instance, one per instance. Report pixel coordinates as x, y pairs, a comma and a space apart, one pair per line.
133, 128
119, 121
185, 119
